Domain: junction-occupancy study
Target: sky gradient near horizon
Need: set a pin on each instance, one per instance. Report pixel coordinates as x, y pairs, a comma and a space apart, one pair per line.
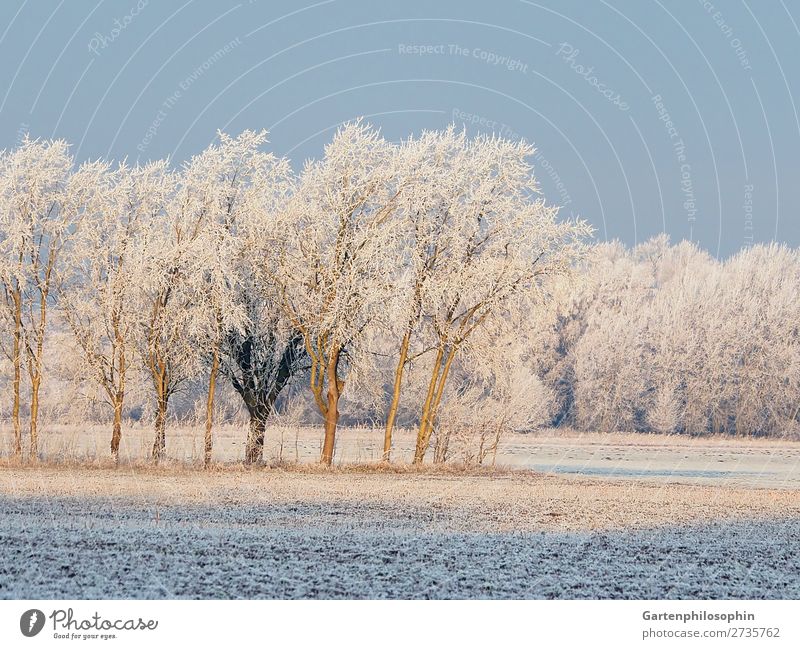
648, 116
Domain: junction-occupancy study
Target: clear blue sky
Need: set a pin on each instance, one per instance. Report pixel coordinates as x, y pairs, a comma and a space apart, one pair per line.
592, 83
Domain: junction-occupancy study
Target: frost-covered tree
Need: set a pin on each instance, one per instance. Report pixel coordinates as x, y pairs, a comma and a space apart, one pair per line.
336, 273
170, 228
427, 170
242, 193
101, 275
484, 243
13, 281
42, 200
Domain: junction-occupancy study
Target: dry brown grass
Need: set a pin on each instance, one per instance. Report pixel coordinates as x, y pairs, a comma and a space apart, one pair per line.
181, 467
88, 445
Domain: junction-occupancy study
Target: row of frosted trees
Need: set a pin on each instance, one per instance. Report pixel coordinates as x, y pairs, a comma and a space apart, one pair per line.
396, 274
424, 284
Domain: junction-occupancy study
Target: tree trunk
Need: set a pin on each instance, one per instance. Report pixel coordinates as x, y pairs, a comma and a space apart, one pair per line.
212, 384
33, 454
17, 374
419, 451
116, 433
398, 382
160, 443
119, 394
254, 452
433, 400
35, 373
332, 414
252, 388
439, 392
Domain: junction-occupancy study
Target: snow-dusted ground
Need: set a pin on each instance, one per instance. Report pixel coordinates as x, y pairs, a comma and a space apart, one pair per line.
98, 533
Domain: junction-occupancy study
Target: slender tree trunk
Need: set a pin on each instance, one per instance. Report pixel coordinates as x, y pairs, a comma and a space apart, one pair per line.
119, 392
160, 443
332, 414
33, 454
254, 451
119, 400
440, 391
116, 432
398, 382
35, 371
419, 451
212, 385
435, 392
159, 372
17, 351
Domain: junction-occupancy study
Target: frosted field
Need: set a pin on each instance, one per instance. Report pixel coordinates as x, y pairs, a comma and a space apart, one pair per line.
69, 532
